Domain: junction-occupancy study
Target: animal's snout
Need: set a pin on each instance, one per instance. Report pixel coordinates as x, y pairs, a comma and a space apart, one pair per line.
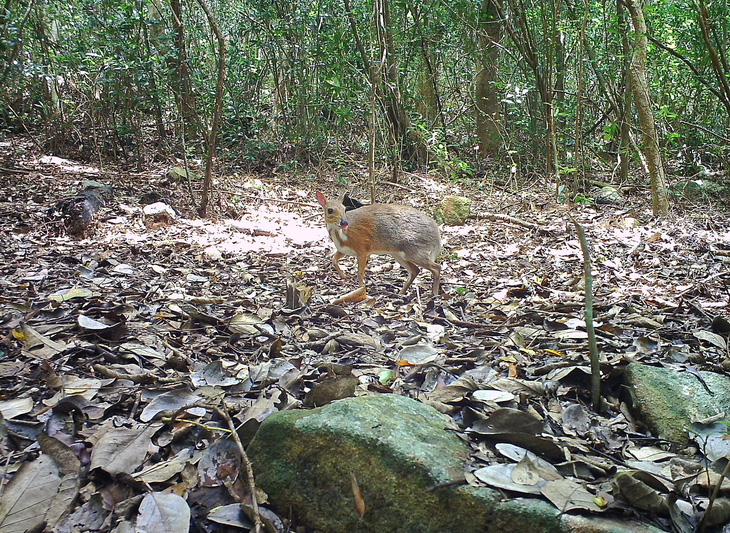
344, 224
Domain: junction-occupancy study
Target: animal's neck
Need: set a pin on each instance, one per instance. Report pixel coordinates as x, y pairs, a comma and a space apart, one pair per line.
338, 236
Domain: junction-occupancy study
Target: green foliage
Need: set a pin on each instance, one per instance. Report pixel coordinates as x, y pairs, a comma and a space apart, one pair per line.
562, 196
260, 153
442, 156
583, 200
298, 91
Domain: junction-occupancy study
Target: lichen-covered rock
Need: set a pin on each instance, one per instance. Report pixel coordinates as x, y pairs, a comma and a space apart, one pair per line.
669, 401
609, 195
180, 174
399, 452
453, 211
406, 462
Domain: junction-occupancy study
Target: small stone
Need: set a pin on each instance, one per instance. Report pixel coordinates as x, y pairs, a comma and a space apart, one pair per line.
609, 195
453, 211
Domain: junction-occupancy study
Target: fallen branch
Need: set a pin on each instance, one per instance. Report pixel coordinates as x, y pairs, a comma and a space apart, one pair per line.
245, 461
512, 220
265, 199
78, 213
592, 346
16, 170
702, 282
140, 378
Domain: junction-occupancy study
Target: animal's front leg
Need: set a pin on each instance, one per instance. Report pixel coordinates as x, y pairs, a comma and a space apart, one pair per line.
336, 262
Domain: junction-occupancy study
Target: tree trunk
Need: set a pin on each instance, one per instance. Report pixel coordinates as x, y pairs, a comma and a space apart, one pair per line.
184, 95
212, 137
520, 31
428, 78
624, 104
402, 135
642, 99
404, 140
487, 108
152, 76
429, 105
552, 141
47, 34
717, 59
558, 46
548, 83
580, 177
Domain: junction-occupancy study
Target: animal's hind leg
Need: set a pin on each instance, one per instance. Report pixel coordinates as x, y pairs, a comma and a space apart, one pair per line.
362, 263
435, 270
413, 271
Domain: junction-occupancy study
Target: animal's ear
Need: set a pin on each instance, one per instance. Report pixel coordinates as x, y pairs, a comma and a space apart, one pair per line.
351, 203
321, 199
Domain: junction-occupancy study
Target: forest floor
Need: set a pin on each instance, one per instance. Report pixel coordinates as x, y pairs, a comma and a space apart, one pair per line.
104, 332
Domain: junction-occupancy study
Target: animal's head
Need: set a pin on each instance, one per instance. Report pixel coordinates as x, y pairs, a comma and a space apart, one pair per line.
334, 212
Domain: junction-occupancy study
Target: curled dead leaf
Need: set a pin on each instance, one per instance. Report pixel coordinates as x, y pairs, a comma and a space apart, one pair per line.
358, 295
640, 494
359, 500
719, 513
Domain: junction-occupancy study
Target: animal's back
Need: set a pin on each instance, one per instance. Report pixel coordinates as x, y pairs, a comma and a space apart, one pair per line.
399, 228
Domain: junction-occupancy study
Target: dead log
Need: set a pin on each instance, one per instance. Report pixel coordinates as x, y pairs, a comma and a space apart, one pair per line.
77, 214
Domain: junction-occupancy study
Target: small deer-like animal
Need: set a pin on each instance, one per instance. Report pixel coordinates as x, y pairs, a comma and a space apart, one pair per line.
409, 236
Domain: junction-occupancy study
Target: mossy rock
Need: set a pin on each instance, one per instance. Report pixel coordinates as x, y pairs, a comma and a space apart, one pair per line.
180, 174
669, 401
406, 461
453, 211
398, 451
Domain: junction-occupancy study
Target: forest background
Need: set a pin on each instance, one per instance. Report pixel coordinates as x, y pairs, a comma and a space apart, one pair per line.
517, 104
470, 90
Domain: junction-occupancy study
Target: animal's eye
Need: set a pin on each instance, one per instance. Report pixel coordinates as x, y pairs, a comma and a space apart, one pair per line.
330, 211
